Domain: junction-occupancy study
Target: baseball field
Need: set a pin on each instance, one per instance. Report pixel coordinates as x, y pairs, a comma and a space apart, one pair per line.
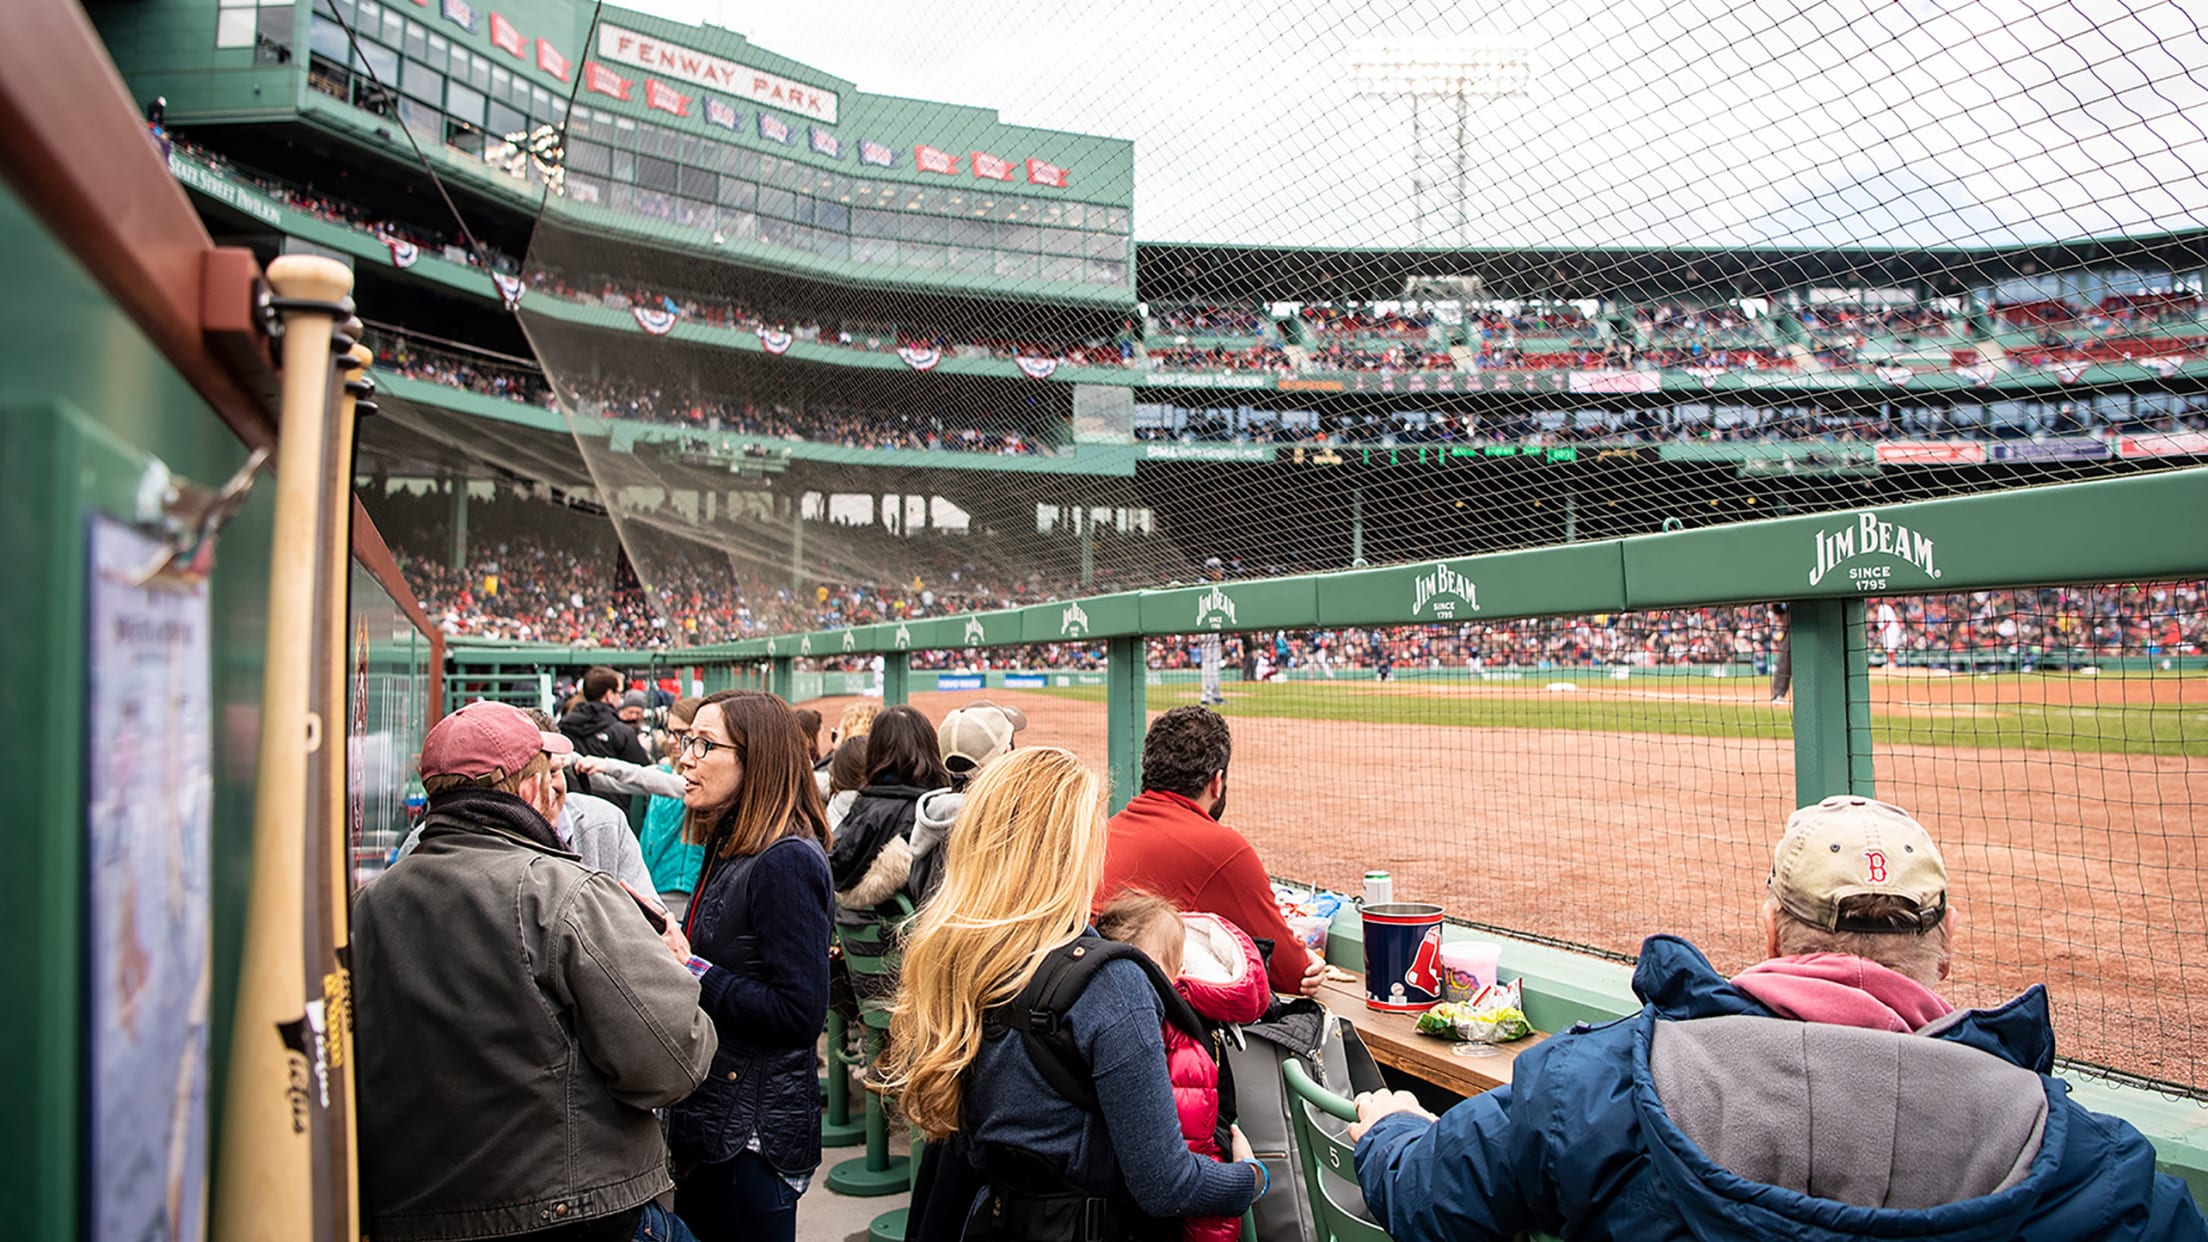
2069, 810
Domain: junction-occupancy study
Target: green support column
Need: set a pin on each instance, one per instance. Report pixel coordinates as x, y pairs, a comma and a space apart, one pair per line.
797, 543
1085, 521
1356, 527
1832, 699
459, 523
782, 677
896, 678
1126, 718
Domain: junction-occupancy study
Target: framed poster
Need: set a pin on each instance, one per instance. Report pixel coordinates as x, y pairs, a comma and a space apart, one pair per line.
148, 806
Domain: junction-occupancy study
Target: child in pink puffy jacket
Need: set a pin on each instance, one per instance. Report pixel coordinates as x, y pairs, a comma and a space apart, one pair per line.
1215, 967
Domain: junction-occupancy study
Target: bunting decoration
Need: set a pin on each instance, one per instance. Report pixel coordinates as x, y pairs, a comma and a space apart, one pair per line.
775, 341
1899, 377
1036, 368
510, 289
657, 320
920, 357
403, 253
2067, 372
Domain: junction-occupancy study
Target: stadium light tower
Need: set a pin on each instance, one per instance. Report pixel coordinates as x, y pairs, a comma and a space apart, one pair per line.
1447, 77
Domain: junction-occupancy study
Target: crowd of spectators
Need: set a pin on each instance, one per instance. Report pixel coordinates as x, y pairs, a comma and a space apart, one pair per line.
1347, 323
1209, 320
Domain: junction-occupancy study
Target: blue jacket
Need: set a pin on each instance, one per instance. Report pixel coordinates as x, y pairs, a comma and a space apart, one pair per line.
762, 921
1585, 1144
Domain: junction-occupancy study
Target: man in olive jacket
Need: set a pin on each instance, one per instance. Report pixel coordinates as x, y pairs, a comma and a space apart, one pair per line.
517, 1016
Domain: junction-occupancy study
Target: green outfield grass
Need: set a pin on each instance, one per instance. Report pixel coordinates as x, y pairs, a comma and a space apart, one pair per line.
2144, 729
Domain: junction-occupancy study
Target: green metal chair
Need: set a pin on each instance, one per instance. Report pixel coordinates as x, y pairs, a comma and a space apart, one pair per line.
837, 1127
1326, 1158
871, 956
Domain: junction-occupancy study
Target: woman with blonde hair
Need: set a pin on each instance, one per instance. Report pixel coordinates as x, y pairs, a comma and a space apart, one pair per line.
1056, 1144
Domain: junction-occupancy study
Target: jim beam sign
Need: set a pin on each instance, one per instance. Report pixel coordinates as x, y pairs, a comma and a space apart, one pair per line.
1214, 610
1443, 589
1869, 547
903, 638
850, 641
805, 645
1073, 622
976, 634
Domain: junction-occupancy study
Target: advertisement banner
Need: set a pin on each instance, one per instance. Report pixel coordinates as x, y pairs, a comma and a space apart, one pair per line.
950, 681
1614, 381
1021, 681
2167, 444
2073, 448
1931, 453
645, 51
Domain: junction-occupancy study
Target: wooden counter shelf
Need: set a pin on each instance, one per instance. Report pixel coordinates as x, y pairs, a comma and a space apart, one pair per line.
1396, 1043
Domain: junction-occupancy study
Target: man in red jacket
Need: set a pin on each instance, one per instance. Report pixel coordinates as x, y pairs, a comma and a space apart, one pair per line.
1169, 841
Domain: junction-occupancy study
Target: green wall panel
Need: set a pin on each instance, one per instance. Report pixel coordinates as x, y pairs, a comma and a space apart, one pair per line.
1229, 606
1096, 617
1577, 578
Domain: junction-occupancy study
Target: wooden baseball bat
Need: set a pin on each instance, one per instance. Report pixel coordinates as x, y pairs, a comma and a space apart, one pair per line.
334, 884
265, 1191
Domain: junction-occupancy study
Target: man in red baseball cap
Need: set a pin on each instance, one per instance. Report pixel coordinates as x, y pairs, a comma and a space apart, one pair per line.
517, 1015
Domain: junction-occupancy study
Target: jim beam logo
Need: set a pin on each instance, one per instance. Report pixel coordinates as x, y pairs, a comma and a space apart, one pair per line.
805, 645
770, 647
1073, 622
976, 634
903, 639
1867, 537
1444, 588
850, 641
1214, 610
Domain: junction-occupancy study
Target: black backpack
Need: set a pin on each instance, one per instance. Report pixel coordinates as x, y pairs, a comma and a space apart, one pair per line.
1030, 1200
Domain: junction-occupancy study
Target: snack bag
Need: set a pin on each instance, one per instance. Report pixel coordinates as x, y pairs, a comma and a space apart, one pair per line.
1493, 1015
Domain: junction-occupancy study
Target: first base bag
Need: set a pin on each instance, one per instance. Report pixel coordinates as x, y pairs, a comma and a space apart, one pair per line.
1336, 1058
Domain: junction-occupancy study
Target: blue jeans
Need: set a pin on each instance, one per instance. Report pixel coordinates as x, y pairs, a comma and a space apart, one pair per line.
738, 1200
661, 1225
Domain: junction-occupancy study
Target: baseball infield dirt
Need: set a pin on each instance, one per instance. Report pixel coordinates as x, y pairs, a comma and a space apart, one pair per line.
2079, 869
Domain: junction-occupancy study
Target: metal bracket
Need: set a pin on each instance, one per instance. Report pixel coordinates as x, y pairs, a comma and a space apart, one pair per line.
187, 517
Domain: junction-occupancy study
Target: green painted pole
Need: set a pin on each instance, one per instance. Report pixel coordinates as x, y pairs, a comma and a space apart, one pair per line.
782, 676
1125, 717
459, 522
1832, 700
896, 678
1356, 527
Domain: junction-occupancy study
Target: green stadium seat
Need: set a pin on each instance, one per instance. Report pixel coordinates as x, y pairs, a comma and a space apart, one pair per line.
871, 956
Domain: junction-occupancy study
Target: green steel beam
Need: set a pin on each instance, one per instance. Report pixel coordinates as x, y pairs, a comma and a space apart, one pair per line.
782, 677
896, 679
1125, 716
1832, 700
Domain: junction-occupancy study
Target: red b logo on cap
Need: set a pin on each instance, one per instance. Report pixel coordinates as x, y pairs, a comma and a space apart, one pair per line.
1877, 864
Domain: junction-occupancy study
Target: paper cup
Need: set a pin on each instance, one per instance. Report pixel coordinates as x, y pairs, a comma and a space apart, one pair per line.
1467, 966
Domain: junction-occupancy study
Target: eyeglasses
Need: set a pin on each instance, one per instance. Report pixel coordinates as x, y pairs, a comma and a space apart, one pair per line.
700, 745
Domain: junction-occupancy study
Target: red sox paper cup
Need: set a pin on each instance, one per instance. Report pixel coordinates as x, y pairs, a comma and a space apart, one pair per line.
1403, 957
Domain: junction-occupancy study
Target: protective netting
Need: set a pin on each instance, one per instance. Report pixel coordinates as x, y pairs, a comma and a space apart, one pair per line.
1413, 280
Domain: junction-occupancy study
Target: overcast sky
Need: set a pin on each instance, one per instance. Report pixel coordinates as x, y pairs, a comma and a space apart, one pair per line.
1649, 122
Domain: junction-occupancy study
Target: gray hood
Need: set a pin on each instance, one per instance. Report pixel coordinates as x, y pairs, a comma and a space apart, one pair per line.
1742, 1089
932, 822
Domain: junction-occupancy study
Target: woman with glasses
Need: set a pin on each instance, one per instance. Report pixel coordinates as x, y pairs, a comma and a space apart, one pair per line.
747, 1142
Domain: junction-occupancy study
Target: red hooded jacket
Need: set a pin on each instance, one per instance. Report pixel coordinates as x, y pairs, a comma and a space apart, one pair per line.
1223, 980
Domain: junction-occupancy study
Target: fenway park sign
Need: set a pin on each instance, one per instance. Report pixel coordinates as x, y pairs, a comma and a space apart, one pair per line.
760, 87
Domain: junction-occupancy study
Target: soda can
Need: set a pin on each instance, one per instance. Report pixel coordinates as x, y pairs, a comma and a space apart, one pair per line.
1379, 888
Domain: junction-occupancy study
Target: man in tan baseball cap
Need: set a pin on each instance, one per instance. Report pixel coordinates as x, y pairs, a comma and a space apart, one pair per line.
1826, 1093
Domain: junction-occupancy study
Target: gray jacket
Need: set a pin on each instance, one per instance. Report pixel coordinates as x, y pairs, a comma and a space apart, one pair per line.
598, 834
516, 1022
